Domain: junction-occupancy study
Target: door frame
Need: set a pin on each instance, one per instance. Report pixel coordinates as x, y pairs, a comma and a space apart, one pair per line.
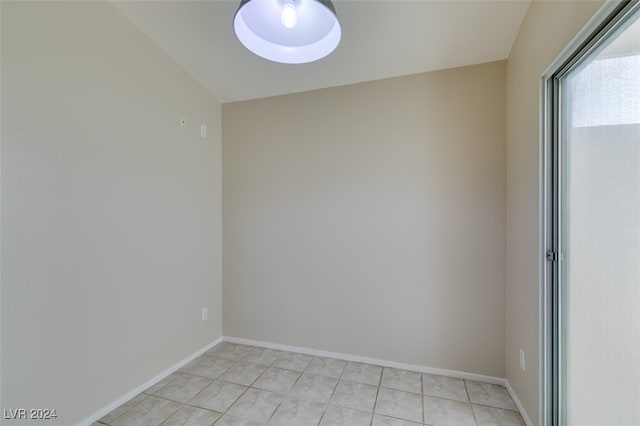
611, 16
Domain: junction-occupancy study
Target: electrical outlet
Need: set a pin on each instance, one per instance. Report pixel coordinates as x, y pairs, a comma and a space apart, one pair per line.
183, 122
203, 130
205, 314
522, 360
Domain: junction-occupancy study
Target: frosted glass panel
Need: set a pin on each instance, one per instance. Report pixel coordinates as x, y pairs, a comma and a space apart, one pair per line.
607, 93
601, 237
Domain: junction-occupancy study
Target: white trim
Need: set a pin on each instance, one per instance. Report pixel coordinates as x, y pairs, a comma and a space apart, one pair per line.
124, 398
308, 351
543, 243
544, 142
583, 35
367, 360
523, 412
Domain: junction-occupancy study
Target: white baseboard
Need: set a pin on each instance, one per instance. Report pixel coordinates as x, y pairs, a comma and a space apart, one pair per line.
124, 398
523, 412
367, 360
392, 364
308, 351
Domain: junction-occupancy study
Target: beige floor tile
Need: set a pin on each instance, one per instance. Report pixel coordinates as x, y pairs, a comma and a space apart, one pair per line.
183, 388
297, 412
227, 420
444, 387
277, 380
404, 380
218, 396
341, 416
113, 415
400, 404
153, 389
292, 389
357, 396
192, 416
150, 412
491, 395
243, 373
256, 404
391, 421
327, 367
263, 356
210, 367
314, 388
362, 373
230, 351
293, 361
190, 364
447, 412
489, 416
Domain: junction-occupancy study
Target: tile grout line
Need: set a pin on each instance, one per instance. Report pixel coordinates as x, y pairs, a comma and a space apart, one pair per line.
172, 414
334, 390
212, 381
375, 404
422, 396
288, 392
301, 373
325, 404
239, 396
473, 413
185, 404
358, 383
124, 412
252, 383
290, 356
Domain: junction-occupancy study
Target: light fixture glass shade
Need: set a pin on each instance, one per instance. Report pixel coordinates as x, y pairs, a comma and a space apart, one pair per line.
275, 32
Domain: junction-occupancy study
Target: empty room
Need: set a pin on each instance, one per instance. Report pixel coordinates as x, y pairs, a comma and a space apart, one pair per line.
311, 212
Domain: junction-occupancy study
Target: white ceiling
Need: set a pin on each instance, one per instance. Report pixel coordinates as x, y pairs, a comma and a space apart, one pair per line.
381, 38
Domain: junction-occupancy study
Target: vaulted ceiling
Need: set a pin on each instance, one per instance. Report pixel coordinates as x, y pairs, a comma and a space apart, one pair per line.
381, 38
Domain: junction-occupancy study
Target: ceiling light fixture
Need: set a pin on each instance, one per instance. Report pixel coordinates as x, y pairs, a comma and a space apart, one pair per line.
288, 31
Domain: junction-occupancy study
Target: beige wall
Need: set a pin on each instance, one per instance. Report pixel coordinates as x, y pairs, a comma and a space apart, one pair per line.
369, 219
547, 28
366, 219
110, 212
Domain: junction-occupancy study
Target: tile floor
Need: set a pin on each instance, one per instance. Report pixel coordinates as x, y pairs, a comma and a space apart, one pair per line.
243, 385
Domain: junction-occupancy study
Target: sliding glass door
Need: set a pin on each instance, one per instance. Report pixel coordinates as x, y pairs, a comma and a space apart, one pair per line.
595, 253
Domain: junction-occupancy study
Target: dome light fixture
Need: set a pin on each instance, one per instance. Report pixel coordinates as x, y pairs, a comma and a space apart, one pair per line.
288, 31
